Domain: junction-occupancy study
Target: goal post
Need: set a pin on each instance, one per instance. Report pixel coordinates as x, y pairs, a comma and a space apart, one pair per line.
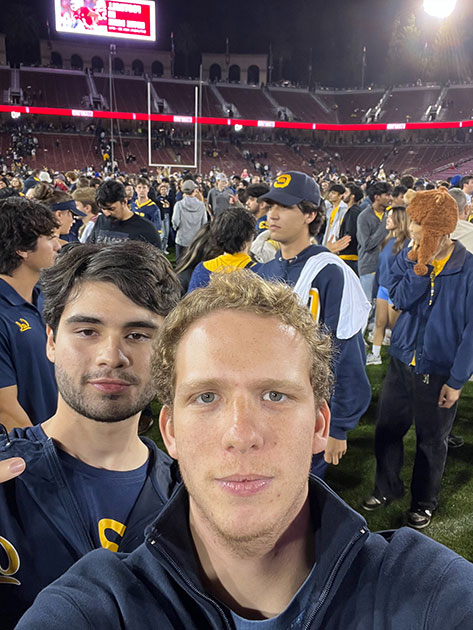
177, 119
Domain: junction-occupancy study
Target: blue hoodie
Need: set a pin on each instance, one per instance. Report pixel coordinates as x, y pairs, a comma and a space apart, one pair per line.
440, 333
42, 532
352, 393
398, 580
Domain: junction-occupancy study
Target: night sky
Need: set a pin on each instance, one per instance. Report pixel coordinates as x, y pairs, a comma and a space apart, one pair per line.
333, 31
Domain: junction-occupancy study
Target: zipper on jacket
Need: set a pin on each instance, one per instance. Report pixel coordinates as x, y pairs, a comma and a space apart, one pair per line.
191, 585
432, 287
332, 577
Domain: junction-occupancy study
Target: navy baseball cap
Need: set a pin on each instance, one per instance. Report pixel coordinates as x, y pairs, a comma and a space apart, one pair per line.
68, 205
293, 187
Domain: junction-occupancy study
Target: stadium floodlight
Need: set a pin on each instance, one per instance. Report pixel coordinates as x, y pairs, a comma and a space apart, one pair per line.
439, 8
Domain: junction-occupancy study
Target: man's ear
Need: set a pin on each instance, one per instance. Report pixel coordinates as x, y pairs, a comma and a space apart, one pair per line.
22, 253
50, 345
322, 427
166, 426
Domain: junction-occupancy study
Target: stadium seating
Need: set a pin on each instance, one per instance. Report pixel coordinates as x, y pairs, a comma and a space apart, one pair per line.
54, 89
5, 80
250, 103
350, 107
459, 101
304, 107
408, 105
130, 95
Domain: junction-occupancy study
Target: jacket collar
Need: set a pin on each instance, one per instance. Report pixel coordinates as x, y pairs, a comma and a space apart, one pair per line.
453, 265
338, 533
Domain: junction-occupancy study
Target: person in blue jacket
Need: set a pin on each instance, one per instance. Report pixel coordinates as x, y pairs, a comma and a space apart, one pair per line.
251, 540
333, 294
144, 206
431, 355
90, 481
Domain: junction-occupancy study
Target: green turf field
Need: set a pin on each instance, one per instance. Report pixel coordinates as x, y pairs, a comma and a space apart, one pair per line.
452, 523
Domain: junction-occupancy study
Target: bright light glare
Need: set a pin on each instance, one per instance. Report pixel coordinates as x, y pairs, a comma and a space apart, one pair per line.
439, 8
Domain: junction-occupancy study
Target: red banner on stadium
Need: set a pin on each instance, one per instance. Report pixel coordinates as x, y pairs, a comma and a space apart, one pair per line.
107, 18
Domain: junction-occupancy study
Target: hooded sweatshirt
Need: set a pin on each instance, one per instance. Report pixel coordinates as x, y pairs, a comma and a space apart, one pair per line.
188, 217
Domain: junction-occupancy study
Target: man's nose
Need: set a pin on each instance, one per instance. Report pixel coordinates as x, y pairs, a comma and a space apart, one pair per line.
243, 432
111, 353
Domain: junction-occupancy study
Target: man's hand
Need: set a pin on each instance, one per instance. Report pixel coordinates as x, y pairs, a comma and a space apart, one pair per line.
337, 246
11, 468
448, 396
335, 450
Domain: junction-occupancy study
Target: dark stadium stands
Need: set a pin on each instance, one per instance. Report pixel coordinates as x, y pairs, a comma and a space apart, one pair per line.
5, 80
409, 105
54, 89
250, 103
459, 104
179, 96
130, 95
350, 107
304, 107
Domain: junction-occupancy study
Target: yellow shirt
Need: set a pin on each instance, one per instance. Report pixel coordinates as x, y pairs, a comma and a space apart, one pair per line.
438, 266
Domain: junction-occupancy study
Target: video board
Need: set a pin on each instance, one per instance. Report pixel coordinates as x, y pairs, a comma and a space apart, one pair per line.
107, 18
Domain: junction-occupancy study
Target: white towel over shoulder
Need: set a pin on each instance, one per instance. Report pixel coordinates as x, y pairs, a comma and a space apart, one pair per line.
354, 308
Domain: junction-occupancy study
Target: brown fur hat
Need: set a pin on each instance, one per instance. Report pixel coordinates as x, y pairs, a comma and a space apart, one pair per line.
437, 212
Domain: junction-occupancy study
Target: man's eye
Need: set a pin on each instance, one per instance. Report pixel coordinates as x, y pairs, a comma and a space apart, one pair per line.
138, 337
206, 397
87, 332
274, 396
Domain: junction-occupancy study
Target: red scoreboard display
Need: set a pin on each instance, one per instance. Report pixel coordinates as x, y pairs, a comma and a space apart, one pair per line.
107, 18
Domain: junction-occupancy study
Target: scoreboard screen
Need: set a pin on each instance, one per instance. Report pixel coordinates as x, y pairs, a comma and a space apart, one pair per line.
125, 19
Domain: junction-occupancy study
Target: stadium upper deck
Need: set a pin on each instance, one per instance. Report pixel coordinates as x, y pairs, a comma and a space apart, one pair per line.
73, 89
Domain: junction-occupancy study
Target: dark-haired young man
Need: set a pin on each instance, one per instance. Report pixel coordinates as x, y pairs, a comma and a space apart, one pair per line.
347, 245
144, 206
335, 212
371, 232
90, 481
233, 232
117, 222
332, 293
258, 206
28, 243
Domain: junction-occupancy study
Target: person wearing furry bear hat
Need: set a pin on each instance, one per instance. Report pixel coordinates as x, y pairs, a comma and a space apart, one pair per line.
431, 349
436, 212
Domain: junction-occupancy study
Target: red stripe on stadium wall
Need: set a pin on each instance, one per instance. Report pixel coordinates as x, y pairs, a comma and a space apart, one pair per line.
204, 120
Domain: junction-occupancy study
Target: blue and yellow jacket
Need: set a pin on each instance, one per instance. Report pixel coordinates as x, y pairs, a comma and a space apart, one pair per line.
363, 581
149, 210
42, 532
225, 262
352, 392
436, 322
262, 224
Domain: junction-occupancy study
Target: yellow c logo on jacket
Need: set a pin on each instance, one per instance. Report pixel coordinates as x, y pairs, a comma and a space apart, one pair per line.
282, 181
13, 565
23, 325
115, 526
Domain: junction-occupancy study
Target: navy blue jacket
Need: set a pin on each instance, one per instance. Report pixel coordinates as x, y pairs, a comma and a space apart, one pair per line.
42, 532
363, 581
440, 333
352, 393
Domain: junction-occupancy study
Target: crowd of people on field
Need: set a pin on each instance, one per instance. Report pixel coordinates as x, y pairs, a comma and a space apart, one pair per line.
239, 301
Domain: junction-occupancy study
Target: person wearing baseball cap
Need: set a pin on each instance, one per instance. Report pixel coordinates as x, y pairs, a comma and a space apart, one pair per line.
332, 292
188, 217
